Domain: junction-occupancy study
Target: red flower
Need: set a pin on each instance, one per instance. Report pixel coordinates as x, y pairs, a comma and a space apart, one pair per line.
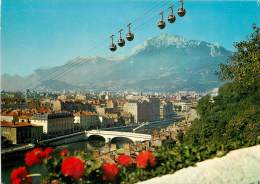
124, 160
73, 167
33, 157
144, 158
47, 152
110, 171
19, 176
64, 152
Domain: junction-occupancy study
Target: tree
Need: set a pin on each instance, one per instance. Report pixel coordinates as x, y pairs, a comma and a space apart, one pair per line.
244, 66
234, 115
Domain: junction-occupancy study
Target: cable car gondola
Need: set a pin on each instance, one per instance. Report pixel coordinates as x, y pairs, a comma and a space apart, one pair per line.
130, 36
161, 24
112, 46
171, 17
121, 41
181, 10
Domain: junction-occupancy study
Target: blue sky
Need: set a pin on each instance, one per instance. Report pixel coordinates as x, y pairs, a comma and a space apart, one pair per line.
46, 33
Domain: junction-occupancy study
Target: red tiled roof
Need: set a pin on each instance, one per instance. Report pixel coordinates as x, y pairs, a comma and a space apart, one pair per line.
11, 124
84, 113
25, 117
44, 110
12, 113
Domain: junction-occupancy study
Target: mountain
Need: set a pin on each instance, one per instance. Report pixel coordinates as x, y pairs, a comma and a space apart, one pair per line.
162, 63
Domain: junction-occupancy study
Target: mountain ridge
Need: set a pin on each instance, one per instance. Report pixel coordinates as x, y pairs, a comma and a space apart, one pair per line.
172, 62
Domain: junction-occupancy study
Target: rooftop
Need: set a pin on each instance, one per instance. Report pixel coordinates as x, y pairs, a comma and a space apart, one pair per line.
44, 116
14, 124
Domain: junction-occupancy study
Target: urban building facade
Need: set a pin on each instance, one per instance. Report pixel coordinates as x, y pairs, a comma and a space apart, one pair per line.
58, 105
144, 109
19, 133
86, 121
166, 110
54, 123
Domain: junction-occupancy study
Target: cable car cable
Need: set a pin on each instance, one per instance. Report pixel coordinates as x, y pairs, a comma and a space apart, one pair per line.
61, 74
95, 47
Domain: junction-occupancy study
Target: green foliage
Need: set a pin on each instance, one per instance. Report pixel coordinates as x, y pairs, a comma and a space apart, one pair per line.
234, 115
244, 65
169, 143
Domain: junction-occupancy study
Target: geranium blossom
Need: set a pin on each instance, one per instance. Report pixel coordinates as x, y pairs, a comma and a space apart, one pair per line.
110, 171
124, 160
33, 157
73, 167
19, 176
144, 158
47, 152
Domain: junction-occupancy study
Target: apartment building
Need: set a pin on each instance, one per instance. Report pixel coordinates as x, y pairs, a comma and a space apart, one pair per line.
54, 124
21, 132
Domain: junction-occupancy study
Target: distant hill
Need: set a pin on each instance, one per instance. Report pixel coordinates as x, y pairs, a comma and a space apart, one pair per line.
162, 63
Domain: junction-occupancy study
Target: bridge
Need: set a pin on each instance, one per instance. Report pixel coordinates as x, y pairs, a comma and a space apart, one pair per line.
111, 135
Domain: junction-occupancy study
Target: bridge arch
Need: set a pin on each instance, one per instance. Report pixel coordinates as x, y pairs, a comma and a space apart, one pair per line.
122, 139
96, 140
109, 135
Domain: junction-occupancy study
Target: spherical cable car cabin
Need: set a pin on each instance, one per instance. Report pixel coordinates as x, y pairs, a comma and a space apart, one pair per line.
112, 46
171, 17
121, 41
129, 35
161, 24
181, 10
